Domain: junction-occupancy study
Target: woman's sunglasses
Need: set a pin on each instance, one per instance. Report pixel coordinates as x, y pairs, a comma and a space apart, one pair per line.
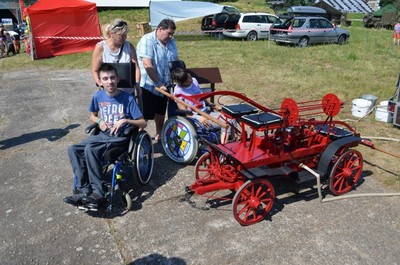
120, 25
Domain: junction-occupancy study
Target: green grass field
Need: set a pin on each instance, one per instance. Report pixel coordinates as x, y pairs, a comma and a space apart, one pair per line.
268, 73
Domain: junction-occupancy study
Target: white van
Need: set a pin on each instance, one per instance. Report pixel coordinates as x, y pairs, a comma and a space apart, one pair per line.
249, 26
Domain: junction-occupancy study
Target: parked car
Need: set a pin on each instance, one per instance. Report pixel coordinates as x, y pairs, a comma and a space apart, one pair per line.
216, 21
249, 26
285, 12
303, 31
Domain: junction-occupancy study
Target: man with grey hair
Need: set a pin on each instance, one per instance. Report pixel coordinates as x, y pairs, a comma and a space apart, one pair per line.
155, 50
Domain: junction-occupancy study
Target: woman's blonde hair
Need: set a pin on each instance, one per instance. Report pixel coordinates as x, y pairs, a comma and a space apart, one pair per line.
116, 26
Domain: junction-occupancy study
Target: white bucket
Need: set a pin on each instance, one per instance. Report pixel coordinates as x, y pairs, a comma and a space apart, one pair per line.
382, 113
360, 107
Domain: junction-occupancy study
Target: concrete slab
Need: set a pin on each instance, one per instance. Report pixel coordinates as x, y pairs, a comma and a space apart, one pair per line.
42, 111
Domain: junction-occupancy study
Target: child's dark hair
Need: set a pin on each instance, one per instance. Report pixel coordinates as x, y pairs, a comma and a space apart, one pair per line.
105, 67
179, 76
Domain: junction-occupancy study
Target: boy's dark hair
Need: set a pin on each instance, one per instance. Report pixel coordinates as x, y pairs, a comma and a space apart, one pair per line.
167, 24
105, 67
179, 76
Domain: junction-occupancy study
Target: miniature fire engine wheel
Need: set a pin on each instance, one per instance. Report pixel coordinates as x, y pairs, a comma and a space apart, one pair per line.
205, 167
179, 140
345, 172
331, 105
337, 155
253, 201
228, 173
289, 110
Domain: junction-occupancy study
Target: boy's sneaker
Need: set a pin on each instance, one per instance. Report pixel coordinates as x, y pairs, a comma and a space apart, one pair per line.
75, 199
93, 201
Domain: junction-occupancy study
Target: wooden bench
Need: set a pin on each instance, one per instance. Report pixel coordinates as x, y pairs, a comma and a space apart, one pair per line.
206, 75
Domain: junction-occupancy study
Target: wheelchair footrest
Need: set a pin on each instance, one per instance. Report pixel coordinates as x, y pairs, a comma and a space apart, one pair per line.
87, 208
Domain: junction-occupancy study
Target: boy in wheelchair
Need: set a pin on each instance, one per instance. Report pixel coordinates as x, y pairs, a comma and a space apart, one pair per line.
113, 110
188, 85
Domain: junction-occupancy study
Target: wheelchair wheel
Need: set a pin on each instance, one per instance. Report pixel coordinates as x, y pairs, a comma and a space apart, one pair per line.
127, 200
179, 140
142, 156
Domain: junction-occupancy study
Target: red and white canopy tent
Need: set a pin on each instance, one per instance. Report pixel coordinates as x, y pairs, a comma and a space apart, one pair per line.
63, 27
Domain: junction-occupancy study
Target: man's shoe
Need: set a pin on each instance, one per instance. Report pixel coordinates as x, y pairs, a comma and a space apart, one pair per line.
75, 199
92, 201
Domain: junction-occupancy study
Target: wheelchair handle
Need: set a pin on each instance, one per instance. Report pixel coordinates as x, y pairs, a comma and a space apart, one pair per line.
202, 113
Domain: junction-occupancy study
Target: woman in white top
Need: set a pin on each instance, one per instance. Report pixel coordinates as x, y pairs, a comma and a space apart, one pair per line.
115, 49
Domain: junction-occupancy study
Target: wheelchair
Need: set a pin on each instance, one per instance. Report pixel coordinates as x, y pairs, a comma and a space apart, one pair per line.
180, 134
184, 138
133, 162
180, 138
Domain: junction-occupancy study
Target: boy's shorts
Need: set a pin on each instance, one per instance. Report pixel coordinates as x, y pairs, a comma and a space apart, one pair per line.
153, 104
396, 35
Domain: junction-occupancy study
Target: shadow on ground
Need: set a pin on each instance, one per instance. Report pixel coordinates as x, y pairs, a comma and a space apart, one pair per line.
50, 134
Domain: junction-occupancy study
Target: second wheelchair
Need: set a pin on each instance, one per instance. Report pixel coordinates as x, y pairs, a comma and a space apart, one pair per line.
128, 163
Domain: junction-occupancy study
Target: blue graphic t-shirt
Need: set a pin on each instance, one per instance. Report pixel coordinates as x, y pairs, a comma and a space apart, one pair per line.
112, 109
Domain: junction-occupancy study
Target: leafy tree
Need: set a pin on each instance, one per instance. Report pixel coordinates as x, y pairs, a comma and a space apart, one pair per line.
383, 3
396, 4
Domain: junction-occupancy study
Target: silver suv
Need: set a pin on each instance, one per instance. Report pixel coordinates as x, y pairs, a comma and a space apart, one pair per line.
249, 26
303, 31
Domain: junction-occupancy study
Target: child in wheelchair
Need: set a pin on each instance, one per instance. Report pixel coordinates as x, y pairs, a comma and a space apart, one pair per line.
113, 110
188, 85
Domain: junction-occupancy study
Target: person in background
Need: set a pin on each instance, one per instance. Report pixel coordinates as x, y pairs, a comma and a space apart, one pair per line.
155, 50
396, 34
10, 45
113, 110
115, 49
3, 41
16, 41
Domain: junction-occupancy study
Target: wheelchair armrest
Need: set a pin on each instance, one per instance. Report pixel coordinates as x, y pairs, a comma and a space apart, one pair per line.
130, 130
181, 112
127, 131
90, 128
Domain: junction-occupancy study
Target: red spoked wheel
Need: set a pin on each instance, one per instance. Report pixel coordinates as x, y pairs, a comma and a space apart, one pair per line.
212, 167
253, 201
345, 172
289, 110
331, 105
337, 155
205, 167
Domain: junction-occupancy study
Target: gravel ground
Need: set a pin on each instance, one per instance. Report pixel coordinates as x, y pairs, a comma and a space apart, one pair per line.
42, 111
